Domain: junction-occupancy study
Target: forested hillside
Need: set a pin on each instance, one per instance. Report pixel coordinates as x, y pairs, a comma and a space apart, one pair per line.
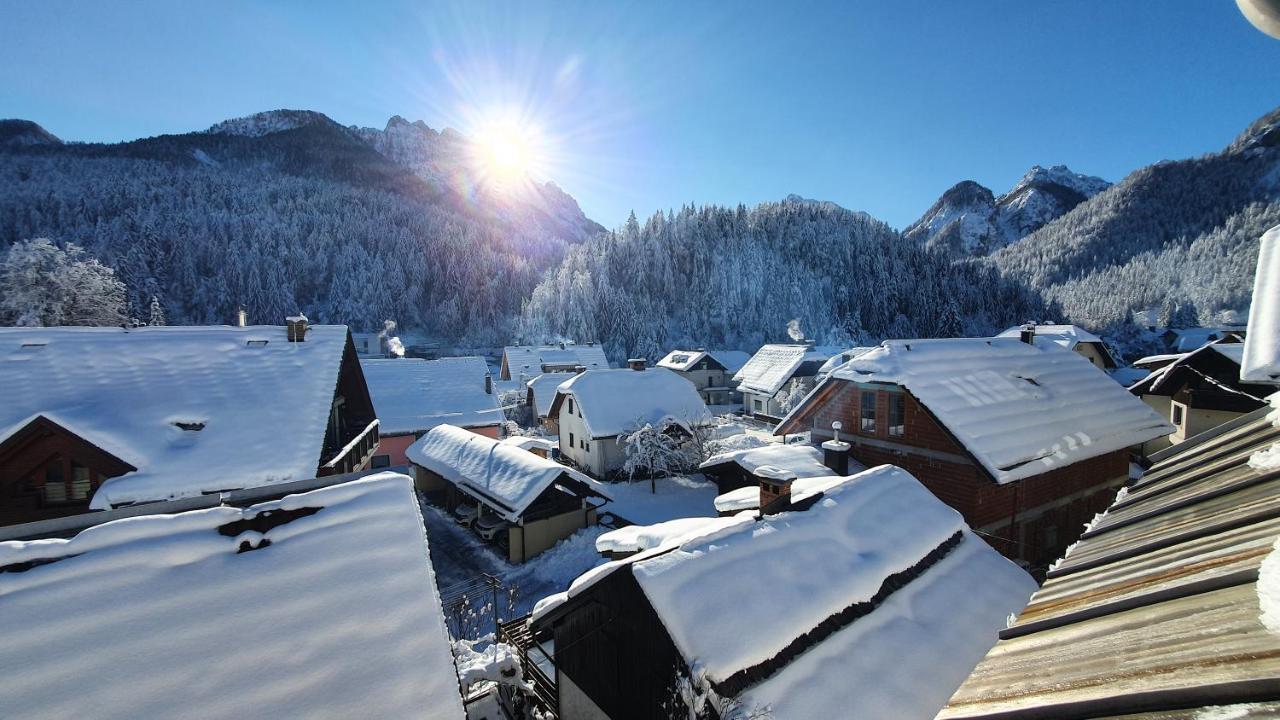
733, 277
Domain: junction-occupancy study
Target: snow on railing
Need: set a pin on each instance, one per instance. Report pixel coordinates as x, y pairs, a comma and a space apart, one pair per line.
365, 442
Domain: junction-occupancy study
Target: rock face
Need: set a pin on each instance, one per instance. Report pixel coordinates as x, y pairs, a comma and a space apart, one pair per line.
970, 220
14, 133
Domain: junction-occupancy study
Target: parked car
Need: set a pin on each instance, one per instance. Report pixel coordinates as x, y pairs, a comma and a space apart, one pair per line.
490, 526
465, 515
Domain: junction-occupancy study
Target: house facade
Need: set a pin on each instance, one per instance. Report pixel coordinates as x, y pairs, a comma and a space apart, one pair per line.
540, 392
710, 371
1028, 443
595, 407
148, 414
774, 379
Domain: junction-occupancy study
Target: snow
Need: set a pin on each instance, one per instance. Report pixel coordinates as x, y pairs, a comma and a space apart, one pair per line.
264, 407
1261, 362
1268, 588
681, 360
635, 538
803, 460
494, 662
544, 390
1020, 409
773, 365
412, 395
1064, 336
529, 360
1128, 376
502, 476
748, 498
836, 361
612, 402
1268, 459
160, 616
676, 497
525, 442
266, 123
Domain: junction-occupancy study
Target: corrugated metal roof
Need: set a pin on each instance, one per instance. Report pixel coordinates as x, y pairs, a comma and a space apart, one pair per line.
1156, 609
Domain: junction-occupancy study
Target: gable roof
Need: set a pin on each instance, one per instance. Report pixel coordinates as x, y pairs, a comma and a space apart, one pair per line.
412, 395
503, 476
803, 460
1020, 410
334, 614
1167, 603
616, 401
264, 401
1066, 337
529, 359
1216, 364
543, 388
1261, 361
773, 365
682, 360
878, 595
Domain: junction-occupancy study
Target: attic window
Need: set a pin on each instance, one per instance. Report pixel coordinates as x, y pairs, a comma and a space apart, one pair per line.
255, 343
194, 426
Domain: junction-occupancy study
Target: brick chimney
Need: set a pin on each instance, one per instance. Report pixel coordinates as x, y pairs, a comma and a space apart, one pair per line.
488, 384
242, 317
835, 452
296, 326
636, 363
775, 489
1028, 334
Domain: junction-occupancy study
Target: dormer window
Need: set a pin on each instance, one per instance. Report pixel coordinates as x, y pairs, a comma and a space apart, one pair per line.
255, 343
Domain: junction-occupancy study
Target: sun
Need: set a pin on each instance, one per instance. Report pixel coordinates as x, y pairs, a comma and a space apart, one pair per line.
507, 150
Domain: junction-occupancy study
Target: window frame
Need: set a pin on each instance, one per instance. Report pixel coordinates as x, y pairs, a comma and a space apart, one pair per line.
897, 406
867, 422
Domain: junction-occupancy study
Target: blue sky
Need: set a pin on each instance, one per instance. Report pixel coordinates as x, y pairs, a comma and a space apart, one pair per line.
879, 106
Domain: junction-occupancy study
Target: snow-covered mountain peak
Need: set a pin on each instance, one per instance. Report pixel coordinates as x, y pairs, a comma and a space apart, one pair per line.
266, 123
1087, 185
1263, 133
25, 133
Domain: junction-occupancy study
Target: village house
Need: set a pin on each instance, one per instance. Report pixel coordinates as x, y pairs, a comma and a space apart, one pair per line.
869, 600
594, 407
1027, 442
540, 392
124, 416
412, 395
736, 469
1166, 607
522, 362
710, 371
1067, 337
311, 599
777, 376
537, 501
1197, 391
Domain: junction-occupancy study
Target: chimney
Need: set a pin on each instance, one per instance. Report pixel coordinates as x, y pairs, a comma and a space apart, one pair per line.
1028, 334
242, 317
488, 384
835, 452
296, 325
579, 369
561, 346
635, 363
775, 489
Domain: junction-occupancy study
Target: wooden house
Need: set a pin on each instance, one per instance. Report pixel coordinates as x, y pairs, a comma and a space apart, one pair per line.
523, 362
412, 395
310, 599
595, 407
1165, 608
1027, 442
1199, 390
871, 599
540, 501
777, 375
103, 417
710, 371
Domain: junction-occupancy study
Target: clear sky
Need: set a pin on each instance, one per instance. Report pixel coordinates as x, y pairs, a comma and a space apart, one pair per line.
879, 106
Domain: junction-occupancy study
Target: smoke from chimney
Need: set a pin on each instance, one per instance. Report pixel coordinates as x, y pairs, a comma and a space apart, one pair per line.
793, 330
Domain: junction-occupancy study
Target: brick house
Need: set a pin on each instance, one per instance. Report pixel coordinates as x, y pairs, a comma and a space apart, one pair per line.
1027, 442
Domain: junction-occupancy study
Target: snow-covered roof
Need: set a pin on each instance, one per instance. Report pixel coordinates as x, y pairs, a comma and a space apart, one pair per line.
332, 614
634, 538
503, 476
1226, 380
529, 360
681, 360
525, 442
413, 395
1019, 409
803, 460
748, 498
1194, 338
876, 597
1127, 376
1067, 336
841, 358
616, 401
263, 401
1261, 361
543, 388
773, 365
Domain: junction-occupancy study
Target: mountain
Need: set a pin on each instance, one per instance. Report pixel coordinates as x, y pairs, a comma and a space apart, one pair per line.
1178, 238
24, 132
970, 220
289, 211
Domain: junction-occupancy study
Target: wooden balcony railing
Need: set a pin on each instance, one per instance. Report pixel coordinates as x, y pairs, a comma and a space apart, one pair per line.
355, 454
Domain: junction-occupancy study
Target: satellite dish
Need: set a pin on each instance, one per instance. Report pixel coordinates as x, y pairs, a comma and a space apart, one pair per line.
1264, 14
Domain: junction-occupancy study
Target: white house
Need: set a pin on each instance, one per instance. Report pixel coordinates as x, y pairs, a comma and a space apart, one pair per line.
596, 406
1067, 337
777, 375
521, 362
710, 371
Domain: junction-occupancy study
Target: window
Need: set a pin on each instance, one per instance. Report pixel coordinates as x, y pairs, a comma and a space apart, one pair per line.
570, 406
1177, 414
55, 485
586, 446
81, 485
381, 461
868, 411
757, 406
897, 414
570, 439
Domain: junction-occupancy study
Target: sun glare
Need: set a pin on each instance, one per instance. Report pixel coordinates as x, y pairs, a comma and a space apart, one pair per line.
507, 150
